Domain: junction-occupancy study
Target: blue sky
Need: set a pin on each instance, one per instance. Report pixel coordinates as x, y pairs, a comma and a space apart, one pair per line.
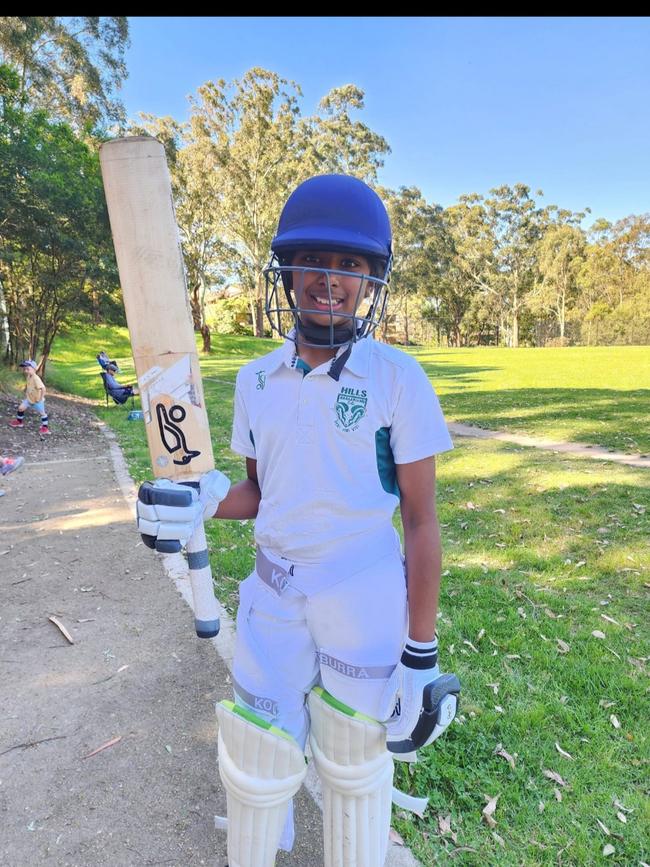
466, 104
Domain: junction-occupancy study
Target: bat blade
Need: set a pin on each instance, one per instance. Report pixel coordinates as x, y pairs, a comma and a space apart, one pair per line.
152, 276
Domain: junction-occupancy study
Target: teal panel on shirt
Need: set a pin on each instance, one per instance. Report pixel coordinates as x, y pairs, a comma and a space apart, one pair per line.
302, 365
386, 461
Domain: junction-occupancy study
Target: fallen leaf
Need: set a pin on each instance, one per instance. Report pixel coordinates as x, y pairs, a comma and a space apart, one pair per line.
614, 721
541, 806
444, 825
498, 708
480, 635
610, 620
499, 751
513, 656
604, 703
620, 806
603, 828
105, 746
608, 849
562, 646
499, 839
469, 644
598, 634
558, 794
521, 613
494, 687
550, 613
562, 752
395, 837
61, 627
621, 817
488, 810
552, 775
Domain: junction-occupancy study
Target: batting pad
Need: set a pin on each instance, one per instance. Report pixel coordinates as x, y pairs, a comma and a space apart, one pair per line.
261, 768
356, 772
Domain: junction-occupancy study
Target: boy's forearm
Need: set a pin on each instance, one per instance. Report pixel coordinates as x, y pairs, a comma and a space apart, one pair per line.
423, 563
241, 502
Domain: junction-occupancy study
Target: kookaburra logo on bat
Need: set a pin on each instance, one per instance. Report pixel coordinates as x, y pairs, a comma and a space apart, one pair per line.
171, 434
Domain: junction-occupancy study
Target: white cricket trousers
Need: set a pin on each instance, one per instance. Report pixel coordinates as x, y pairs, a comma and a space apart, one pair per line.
334, 625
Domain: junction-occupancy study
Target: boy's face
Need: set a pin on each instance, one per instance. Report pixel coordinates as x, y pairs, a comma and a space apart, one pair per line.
324, 298
28, 371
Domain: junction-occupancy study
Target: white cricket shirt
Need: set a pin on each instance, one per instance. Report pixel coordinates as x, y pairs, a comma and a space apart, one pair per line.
326, 450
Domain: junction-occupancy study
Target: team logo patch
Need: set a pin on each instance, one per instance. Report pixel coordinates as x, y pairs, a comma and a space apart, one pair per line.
350, 408
261, 379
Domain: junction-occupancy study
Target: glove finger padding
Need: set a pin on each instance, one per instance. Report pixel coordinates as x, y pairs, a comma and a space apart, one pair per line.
168, 514
421, 702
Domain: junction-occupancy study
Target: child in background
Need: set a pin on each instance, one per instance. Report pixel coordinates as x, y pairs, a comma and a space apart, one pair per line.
34, 398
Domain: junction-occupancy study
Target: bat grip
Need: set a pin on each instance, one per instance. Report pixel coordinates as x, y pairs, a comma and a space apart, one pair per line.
206, 613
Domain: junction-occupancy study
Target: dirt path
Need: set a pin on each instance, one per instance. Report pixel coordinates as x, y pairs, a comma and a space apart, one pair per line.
579, 450
135, 672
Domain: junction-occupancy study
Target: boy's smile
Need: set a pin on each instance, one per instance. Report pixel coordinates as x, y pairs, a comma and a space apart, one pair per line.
320, 290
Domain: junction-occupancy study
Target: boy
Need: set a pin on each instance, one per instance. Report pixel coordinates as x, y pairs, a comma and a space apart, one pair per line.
34, 398
337, 430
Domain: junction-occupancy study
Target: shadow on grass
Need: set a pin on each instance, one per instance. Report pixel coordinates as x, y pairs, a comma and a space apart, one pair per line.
616, 419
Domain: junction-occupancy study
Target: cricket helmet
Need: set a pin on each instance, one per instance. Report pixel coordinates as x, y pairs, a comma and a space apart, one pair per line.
337, 213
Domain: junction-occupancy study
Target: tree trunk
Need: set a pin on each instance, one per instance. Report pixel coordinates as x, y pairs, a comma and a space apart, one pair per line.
514, 342
195, 306
205, 334
96, 313
259, 318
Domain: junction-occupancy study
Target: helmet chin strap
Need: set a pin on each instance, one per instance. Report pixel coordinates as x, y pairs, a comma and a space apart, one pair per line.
321, 335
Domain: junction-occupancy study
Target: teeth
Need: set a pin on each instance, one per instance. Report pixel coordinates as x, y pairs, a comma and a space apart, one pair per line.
335, 301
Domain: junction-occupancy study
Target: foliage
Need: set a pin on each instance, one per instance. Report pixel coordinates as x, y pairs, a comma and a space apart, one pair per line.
70, 67
55, 251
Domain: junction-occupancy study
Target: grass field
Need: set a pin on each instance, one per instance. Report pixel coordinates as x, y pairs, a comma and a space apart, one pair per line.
544, 613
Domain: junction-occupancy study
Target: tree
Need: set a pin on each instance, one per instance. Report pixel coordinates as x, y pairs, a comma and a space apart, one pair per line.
468, 308
196, 199
613, 281
70, 67
560, 258
341, 145
55, 249
254, 148
247, 133
516, 226
419, 250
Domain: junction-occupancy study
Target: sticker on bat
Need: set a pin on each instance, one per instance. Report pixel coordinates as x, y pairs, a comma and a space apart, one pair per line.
171, 434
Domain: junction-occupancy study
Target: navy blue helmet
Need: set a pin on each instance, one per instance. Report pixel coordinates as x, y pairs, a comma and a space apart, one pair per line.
337, 214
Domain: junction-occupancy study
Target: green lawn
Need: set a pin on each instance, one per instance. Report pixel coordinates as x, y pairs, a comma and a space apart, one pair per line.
543, 607
595, 394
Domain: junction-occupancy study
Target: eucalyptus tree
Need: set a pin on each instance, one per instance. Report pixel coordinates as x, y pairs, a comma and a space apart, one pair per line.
561, 255
72, 67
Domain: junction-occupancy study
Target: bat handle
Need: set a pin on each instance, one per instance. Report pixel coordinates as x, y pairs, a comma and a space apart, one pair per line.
206, 613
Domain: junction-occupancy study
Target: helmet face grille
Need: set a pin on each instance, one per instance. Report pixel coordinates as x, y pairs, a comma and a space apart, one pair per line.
294, 316
333, 213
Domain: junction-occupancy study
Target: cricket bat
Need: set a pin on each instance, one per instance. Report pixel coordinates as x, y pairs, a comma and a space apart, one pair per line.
152, 276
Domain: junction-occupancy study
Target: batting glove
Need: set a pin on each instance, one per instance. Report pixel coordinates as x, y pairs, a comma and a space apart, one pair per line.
168, 513
423, 702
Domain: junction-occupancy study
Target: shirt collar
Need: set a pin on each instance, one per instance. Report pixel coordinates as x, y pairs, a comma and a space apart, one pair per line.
358, 363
